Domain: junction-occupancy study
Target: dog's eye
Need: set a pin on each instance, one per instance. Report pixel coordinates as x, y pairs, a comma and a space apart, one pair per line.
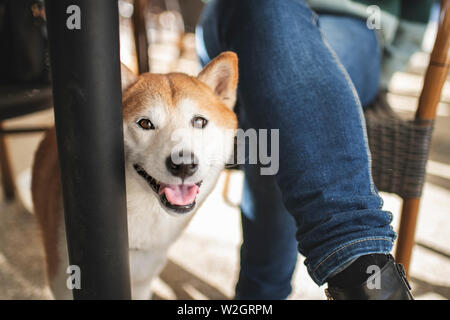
146, 124
199, 122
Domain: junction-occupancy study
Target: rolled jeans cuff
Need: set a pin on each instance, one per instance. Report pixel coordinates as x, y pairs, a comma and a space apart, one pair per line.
321, 270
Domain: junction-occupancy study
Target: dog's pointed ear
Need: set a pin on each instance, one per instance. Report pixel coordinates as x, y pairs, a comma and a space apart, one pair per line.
221, 75
127, 76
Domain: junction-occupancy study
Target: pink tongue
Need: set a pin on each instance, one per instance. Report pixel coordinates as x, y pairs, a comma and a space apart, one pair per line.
181, 194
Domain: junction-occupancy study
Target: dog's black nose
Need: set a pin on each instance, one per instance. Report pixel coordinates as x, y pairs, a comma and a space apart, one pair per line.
183, 164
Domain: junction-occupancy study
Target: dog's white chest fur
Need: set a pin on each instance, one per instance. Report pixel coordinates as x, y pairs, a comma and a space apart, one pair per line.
146, 219
151, 231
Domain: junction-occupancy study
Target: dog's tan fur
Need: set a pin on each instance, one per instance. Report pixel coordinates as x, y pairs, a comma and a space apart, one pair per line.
172, 88
213, 93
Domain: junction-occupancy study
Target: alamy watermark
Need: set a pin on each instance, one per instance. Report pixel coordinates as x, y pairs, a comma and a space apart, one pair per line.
256, 147
374, 280
74, 279
374, 19
74, 19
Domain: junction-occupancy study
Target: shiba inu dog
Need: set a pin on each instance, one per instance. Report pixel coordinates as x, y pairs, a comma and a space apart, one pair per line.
178, 135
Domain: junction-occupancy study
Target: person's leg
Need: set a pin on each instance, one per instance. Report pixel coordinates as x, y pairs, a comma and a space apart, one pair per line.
268, 252
358, 50
269, 248
291, 79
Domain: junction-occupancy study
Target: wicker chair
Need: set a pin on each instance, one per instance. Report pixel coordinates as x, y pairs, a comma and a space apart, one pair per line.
400, 147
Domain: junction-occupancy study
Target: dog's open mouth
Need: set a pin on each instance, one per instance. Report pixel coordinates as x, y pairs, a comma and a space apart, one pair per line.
179, 198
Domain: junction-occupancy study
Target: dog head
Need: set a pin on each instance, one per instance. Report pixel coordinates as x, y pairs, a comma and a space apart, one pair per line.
178, 131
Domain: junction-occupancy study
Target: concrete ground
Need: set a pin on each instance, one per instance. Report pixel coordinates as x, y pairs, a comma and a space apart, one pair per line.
204, 262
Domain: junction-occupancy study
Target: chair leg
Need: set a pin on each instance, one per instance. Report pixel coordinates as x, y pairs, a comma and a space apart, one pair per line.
405, 241
5, 169
226, 187
140, 34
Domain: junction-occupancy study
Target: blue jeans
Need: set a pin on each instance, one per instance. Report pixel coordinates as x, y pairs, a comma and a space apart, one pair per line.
308, 82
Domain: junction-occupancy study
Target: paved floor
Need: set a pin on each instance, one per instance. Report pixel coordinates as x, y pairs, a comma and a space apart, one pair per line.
204, 262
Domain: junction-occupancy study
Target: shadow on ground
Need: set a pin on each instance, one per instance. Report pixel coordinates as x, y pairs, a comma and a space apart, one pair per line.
179, 279
22, 274
22, 267
422, 287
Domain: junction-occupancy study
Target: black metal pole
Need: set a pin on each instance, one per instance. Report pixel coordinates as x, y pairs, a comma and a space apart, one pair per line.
88, 116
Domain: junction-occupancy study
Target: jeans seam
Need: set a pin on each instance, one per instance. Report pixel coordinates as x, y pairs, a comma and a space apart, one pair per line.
347, 245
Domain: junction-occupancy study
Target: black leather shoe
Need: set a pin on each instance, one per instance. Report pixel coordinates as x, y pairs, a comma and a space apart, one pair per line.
390, 284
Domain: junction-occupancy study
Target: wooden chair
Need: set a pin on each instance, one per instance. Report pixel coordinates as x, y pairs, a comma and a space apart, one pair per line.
399, 147
16, 101
21, 100
140, 34
426, 111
